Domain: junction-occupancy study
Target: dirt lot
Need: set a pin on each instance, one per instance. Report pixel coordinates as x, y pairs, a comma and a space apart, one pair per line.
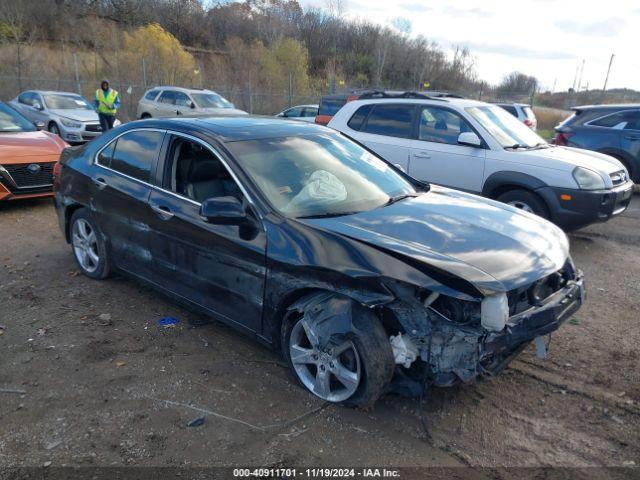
99, 388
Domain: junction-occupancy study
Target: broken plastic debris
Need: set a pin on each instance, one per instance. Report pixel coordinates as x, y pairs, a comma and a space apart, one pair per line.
574, 321
404, 351
168, 322
196, 422
541, 348
120, 364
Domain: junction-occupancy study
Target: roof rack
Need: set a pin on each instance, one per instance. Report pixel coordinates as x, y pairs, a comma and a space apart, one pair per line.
408, 94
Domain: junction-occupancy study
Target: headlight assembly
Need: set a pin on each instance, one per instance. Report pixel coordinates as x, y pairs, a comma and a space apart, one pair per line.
494, 312
588, 179
67, 122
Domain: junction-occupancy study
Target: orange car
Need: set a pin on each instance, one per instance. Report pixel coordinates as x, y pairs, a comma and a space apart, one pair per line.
27, 157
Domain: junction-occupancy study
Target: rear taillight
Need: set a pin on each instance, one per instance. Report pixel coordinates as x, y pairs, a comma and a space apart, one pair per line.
351, 98
528, 122
562, 139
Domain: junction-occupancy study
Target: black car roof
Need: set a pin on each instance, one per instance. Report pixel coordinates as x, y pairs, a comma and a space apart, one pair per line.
609, 106
235, 128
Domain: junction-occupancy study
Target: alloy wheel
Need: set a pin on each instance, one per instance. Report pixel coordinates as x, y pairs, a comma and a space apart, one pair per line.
333, 373
85, 245
522, 206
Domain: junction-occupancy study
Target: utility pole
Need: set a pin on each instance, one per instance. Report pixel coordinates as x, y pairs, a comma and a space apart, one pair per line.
606, 79
290, 88
144, 73
75, 64
581, 73
575, 78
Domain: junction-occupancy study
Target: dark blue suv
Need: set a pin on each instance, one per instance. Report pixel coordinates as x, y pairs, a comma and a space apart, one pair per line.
610, 129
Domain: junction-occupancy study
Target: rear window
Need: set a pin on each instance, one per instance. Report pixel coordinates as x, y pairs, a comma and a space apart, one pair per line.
616, 120
330, 106
391, 120
358, 118
529, 113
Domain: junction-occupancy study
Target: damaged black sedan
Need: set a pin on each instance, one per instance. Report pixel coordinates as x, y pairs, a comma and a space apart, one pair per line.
357, 273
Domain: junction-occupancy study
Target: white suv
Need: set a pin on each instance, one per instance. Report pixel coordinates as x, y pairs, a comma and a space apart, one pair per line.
167, 102
480, 148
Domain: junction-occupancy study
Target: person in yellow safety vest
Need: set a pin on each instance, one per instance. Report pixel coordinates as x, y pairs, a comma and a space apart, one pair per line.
107, 102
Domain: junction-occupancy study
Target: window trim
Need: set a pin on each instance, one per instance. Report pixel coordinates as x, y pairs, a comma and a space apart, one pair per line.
590, 122
484, 145
205, 144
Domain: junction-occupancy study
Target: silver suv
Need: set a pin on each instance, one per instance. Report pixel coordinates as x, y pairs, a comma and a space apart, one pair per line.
166, 102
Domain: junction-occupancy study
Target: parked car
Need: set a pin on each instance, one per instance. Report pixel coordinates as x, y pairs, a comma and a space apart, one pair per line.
610, 129
65, 114
167, 102
522, 112
316, 246
27, 157
480, 148
305, 113
330, 104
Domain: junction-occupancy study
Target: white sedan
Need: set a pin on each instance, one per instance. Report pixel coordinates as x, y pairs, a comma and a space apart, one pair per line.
306, 113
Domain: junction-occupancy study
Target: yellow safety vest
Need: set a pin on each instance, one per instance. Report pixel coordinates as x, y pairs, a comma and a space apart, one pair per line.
106, 101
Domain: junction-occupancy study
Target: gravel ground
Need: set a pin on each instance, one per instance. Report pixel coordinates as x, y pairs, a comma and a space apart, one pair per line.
104, 385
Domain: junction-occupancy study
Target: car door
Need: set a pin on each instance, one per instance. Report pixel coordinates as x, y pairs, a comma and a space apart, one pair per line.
183, 105
166, 104
630, 138
120, 193
436, 155
219, 267
386, 128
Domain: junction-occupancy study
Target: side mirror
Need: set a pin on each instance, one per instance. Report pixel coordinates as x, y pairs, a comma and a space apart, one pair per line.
37, 106
469, 139
223, 211
192, 105
39, 125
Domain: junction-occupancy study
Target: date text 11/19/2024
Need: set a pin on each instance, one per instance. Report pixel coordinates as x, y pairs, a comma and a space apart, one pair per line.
315, 473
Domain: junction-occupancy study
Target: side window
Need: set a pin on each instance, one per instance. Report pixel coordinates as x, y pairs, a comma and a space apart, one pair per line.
136, 152
151, 95
440, 125
391, 120
511, 109
358, 118
633, 121
104, 157
309, 112
193, 171
168, 96
182, 99
24, 99
294, 112
616, 120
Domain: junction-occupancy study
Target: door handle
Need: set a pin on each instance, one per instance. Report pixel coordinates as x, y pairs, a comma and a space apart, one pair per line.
632, 137
164, 212
421, 155
100, 182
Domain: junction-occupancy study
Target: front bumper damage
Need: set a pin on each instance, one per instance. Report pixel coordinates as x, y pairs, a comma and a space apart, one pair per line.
455, 353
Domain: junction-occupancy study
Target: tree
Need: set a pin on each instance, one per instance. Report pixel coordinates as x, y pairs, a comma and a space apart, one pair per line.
286, 64
166, 61
517, 84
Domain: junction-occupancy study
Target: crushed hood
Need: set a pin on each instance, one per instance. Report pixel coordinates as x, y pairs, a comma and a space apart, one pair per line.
491, 245
78, 114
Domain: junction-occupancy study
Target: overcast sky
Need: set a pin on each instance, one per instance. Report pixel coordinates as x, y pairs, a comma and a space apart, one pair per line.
544, 38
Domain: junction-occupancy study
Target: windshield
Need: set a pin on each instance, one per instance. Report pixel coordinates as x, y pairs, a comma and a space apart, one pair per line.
505, 129
319, 175
12, 121
211, 100
57, 101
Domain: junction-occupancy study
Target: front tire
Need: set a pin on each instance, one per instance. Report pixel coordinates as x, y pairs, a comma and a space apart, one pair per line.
354, 372
53, 128
88, 246
525, 200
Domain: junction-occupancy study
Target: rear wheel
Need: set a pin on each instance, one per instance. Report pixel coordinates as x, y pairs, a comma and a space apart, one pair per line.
88, 246
145, 116
525, 200
356, 371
